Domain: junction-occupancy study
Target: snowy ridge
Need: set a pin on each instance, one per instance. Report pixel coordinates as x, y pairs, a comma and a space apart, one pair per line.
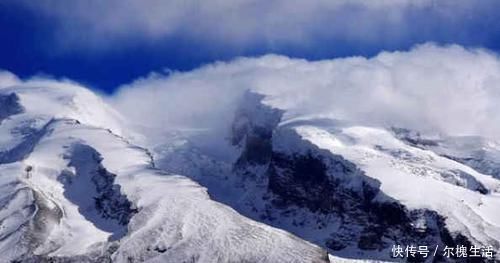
269, 186
48, 209
354, 190
417, 178
474, 151
411, 181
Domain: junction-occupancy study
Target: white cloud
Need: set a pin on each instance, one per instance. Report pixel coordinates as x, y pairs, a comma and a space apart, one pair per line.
431, 88
277, 23
7, 79
450, 90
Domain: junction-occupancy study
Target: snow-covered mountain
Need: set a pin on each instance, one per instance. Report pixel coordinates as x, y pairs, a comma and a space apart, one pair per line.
74, 190
354, 190
80, 182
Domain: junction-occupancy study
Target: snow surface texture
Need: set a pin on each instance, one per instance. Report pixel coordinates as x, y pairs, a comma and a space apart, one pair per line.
354, 190
323, 152
73, 189
311, 178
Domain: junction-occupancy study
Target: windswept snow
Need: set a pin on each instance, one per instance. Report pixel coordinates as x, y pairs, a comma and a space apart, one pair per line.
419, 179
257, 160
78, 156
438, 193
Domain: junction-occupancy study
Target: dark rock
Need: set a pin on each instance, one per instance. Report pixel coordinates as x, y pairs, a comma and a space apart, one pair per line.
252, 130
413, 138
323, 185
108, 201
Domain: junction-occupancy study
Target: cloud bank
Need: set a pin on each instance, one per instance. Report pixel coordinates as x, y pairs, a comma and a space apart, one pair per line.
274, 25
436, 89
448, 90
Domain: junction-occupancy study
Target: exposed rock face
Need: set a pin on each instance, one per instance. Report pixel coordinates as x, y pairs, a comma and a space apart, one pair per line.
334, 192
103, 198
109, 200
320, 183
308, 181
31, 230
47, 215
483, 165
413, 138
73, 190
252, 130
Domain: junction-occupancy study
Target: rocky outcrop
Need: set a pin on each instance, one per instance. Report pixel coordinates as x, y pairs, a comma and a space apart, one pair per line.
483, 165
318, 189
329, 186
103, 199
252, 130
413, 138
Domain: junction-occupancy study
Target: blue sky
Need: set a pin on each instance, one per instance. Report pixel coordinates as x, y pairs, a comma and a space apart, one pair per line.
103, 44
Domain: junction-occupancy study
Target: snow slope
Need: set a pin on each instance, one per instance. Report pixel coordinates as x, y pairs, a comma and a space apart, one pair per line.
78, 183
354, 190
419, 179
74, 189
